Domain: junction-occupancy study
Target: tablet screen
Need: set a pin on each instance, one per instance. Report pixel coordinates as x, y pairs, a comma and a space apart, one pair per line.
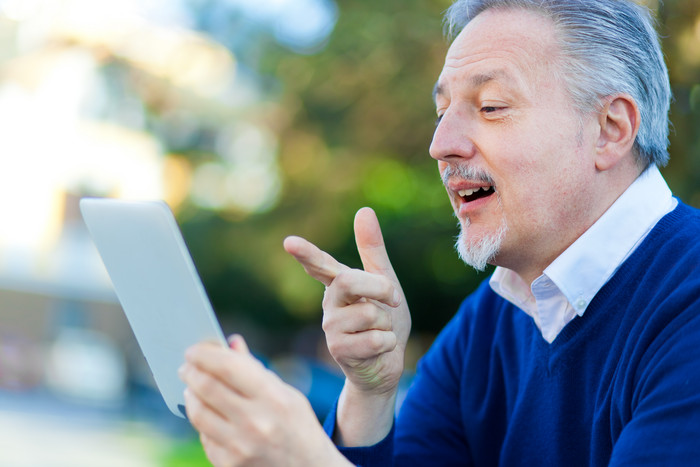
156, 282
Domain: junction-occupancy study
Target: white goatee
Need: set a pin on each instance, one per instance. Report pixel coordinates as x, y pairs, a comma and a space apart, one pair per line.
476, 252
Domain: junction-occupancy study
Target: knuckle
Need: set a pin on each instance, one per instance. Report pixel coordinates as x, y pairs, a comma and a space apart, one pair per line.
332, 347
268, 386
336, 349
378, 341
371, 316
385, 321
245, 452
386, 285
265, 430
261, 431
202, 383
347, 282
327, 323
196, 417
288, 399
374, 342
368, 313
343, 281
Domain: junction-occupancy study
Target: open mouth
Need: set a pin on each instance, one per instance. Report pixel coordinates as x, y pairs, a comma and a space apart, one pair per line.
476, 193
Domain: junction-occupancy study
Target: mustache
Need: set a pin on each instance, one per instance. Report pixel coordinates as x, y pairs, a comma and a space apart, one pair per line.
466, 172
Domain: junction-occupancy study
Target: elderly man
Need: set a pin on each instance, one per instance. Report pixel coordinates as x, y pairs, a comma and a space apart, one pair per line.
582, 348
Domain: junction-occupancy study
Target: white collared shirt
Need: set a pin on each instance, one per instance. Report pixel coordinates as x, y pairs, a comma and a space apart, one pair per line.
569, 284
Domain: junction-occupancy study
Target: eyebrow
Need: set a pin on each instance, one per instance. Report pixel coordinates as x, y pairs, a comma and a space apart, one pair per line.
475, 81
438, 90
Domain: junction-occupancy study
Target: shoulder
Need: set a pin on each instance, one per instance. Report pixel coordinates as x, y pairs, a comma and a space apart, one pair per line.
661, 288
672, 250
681, 224
661, 280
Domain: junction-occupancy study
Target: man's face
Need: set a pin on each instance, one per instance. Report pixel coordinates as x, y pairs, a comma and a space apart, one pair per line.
515, 155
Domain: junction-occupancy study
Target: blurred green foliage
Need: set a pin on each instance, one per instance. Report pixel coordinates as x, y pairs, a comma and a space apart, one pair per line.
185, 453
354, 123
680, 30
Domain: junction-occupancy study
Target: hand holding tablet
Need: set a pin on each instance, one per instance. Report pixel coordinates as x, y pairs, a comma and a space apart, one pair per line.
243, 412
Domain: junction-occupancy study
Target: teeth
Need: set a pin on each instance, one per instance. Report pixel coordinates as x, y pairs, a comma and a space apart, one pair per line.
472, 191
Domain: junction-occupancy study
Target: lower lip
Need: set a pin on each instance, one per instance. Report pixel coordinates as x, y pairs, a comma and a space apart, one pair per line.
466, 208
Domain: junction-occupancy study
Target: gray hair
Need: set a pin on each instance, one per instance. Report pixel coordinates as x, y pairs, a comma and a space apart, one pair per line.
610, 47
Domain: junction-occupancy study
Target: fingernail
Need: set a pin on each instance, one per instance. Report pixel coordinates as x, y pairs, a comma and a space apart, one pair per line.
396, 298
238, 343
234, 340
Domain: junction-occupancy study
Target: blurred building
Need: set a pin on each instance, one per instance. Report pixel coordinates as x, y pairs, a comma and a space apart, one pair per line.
71, 129
94, 97
113, 98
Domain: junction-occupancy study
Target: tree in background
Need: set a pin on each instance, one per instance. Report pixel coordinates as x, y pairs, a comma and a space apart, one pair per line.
354, 123
268, 122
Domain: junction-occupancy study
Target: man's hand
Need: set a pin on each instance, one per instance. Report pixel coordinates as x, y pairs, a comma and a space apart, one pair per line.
367, 323
246, 415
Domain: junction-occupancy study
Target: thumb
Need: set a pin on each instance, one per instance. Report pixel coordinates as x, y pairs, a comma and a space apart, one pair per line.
370, 244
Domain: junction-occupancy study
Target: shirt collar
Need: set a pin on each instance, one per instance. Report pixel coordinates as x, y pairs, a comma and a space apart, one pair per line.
583, 268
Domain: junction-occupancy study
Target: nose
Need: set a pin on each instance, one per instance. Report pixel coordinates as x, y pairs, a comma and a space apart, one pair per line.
451, 140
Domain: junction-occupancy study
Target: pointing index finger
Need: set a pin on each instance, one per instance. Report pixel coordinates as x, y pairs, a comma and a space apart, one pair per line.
316, 262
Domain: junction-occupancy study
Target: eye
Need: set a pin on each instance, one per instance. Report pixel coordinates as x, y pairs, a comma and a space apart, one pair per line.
490, 109
438, 119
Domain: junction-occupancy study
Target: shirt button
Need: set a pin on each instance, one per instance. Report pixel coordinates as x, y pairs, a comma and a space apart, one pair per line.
581, 304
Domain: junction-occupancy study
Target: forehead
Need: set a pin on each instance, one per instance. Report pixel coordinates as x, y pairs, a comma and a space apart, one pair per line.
513, 47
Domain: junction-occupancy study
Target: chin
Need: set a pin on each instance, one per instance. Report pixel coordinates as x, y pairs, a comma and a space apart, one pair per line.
479, 251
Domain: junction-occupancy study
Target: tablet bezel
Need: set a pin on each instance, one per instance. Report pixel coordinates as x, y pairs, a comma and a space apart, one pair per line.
156, 283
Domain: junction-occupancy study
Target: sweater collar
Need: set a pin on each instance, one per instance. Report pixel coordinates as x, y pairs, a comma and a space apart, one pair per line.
583, 268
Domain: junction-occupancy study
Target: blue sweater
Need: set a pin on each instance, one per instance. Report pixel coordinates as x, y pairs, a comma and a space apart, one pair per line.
620, 385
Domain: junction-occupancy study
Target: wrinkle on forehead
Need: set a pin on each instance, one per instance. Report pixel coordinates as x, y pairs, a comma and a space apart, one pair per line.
480, 79
524, 42
516, 26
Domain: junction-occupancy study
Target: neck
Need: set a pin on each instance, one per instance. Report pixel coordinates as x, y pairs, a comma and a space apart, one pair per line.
609, 188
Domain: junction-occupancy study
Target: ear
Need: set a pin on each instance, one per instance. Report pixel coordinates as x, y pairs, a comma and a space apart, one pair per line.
619, 124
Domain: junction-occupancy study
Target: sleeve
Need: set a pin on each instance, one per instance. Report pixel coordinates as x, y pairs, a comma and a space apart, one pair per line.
429, 427
379, 455
664, 425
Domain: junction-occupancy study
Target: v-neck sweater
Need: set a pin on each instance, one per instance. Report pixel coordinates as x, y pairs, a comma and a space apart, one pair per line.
620, 385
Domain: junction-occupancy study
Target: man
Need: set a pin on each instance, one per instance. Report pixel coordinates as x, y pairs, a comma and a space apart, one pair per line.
582, 348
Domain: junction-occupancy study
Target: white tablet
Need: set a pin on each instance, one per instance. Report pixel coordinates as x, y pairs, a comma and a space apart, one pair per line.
157, 285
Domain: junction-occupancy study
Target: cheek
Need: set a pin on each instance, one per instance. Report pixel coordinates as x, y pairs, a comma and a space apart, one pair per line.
547, 153
535, 188
544, 173
546, 198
